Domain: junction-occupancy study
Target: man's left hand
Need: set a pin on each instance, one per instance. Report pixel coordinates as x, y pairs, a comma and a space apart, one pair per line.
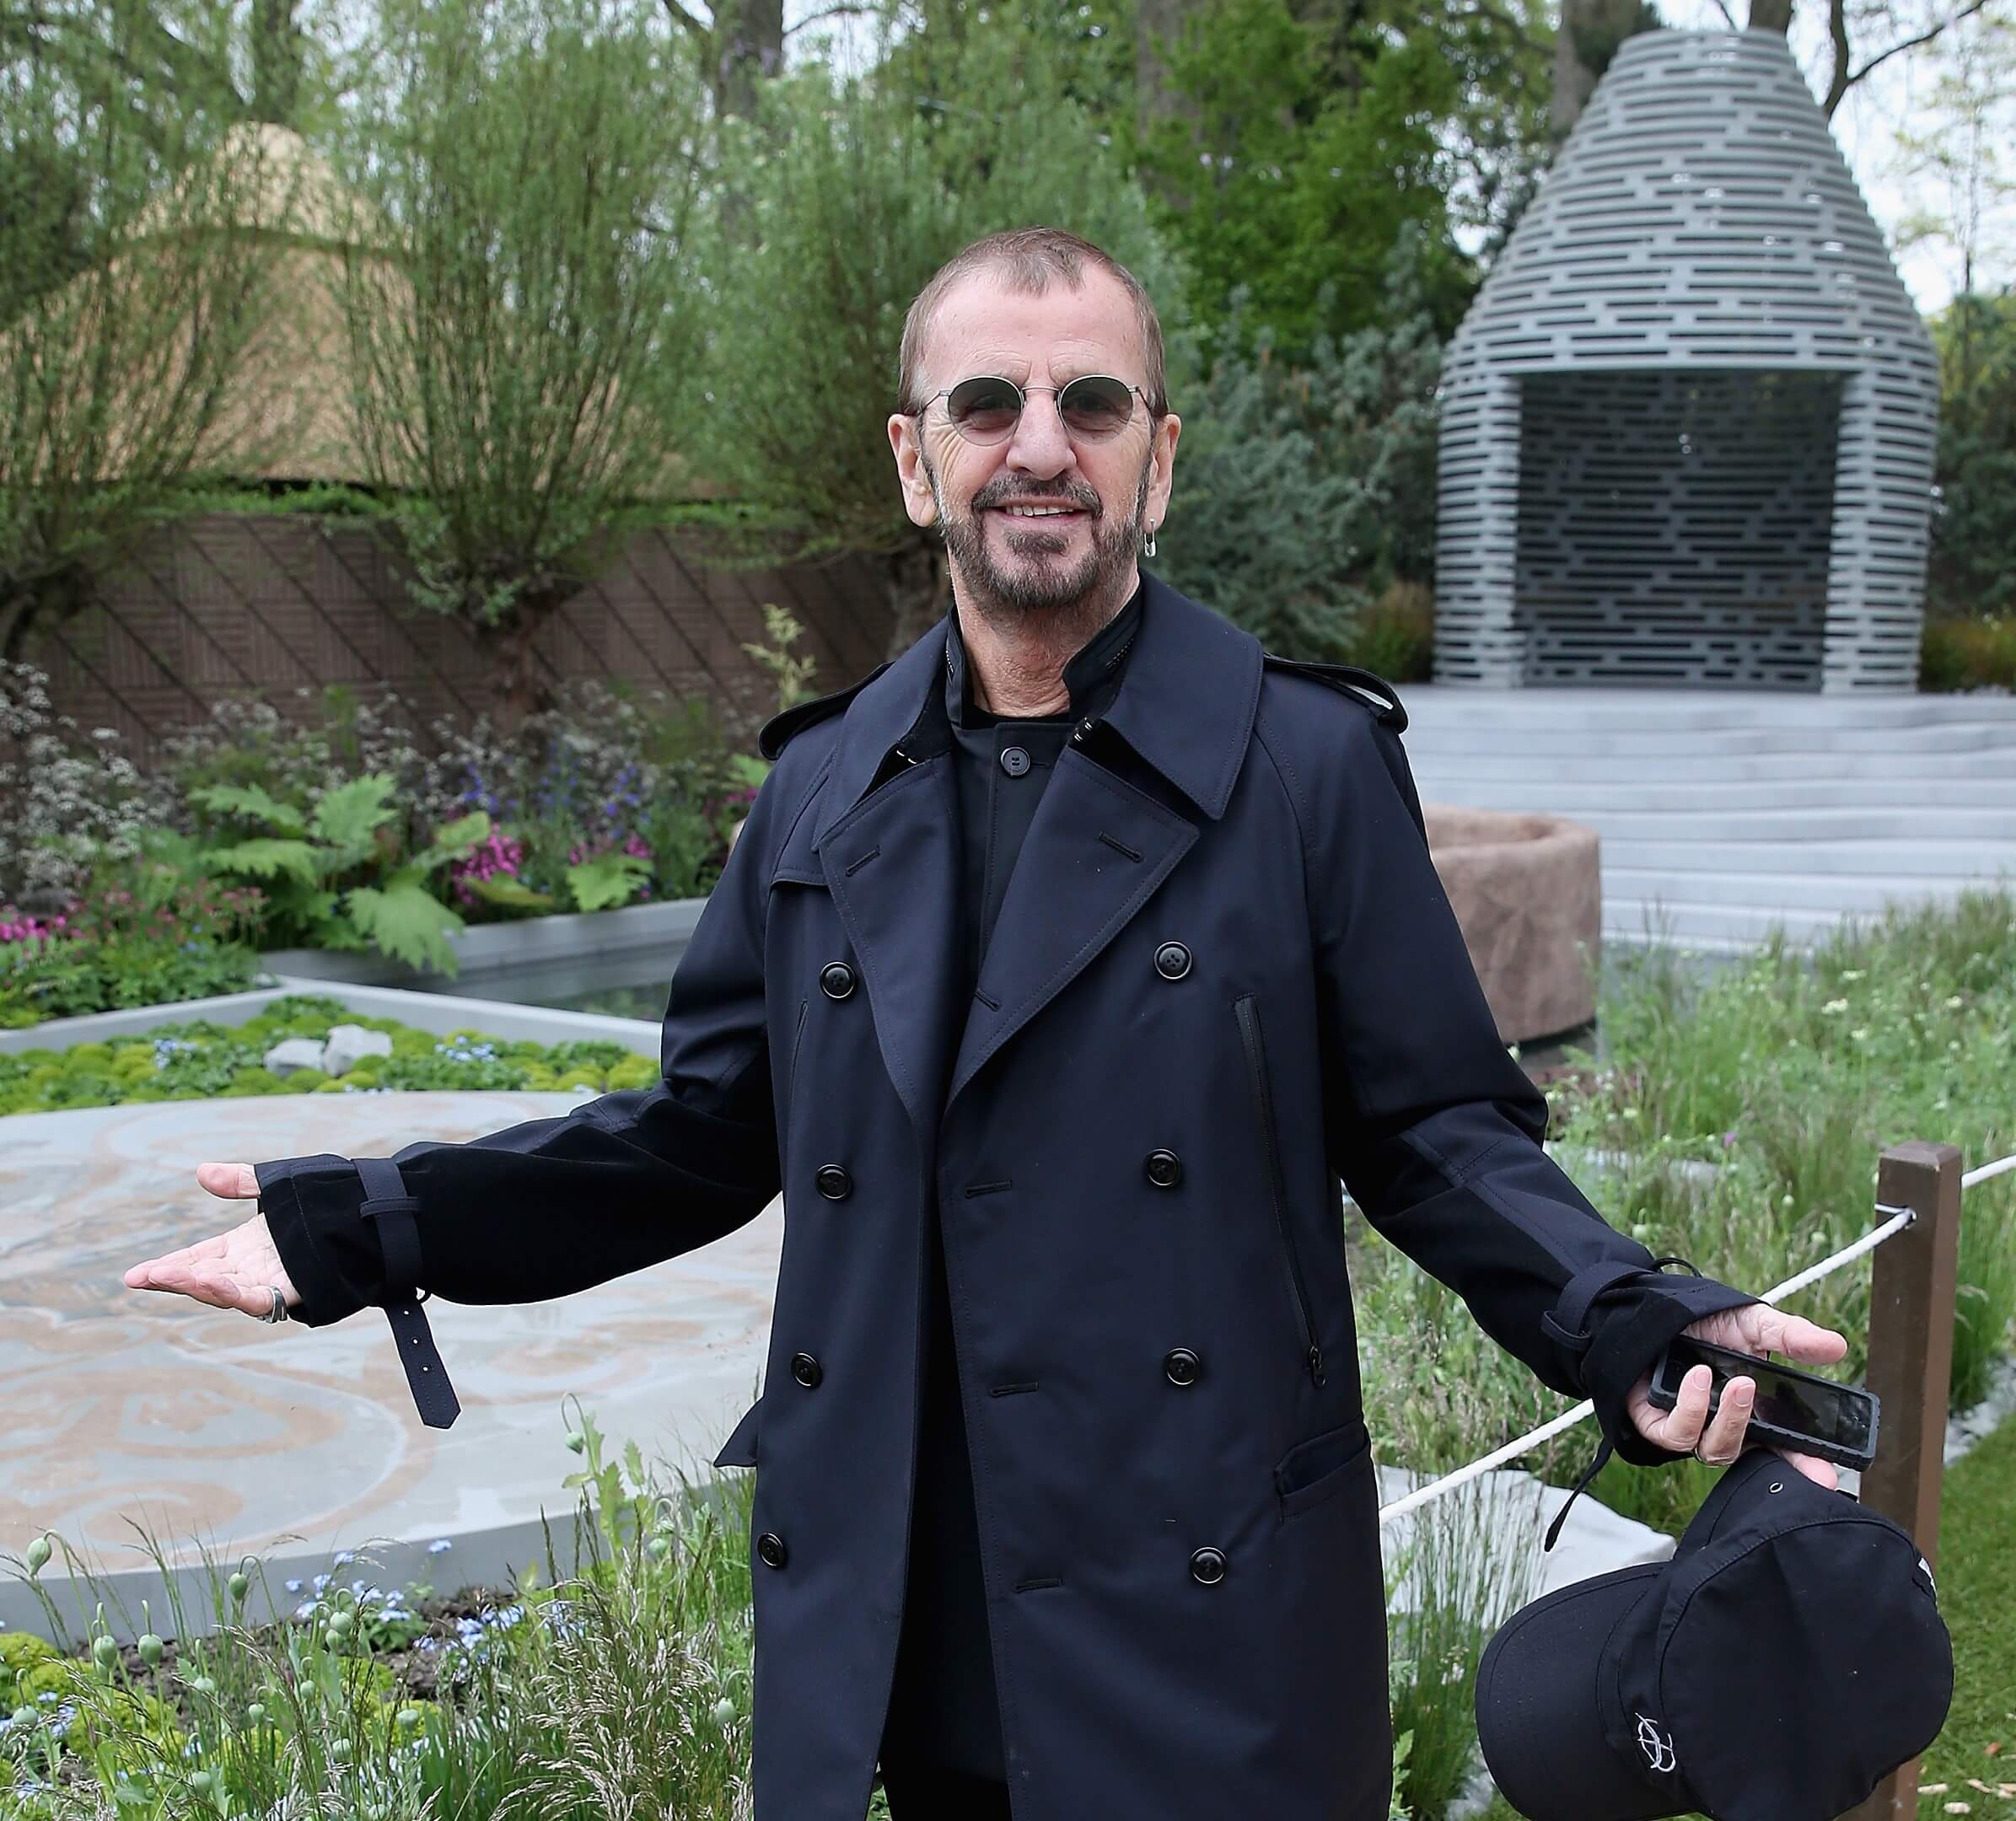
1756, 1328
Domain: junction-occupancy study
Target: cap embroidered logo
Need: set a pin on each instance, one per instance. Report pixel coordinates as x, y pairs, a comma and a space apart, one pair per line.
1657, 1746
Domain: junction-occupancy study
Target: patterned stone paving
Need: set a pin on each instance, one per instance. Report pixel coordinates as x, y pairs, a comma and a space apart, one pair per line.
206, 1425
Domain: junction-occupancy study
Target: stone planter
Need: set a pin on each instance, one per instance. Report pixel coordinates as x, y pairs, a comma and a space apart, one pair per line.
650, 937
1528, 893
440, 1013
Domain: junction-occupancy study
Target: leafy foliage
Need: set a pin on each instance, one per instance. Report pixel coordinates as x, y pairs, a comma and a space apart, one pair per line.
134, 283
1973, 520
519, 297
843, 197
310, 862
1304, 492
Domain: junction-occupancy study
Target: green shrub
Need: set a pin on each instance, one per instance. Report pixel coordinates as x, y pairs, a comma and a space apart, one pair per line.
1956, 652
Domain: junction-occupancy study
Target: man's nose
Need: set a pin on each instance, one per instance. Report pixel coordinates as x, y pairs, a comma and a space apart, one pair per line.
1039, 445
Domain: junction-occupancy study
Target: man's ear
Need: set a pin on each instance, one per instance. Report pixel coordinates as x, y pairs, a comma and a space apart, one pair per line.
918, 500
1163, 468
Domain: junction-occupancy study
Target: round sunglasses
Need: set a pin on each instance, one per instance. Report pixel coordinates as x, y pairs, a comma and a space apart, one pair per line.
986, 408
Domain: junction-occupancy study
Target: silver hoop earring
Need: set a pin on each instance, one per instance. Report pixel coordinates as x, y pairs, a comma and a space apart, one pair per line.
1148, 548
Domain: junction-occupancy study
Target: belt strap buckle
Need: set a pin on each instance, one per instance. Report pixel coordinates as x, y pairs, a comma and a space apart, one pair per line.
387, 1203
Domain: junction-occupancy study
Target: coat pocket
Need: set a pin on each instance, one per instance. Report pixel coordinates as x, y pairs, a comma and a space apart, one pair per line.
739, 1450
1254, 1043
1319, 1468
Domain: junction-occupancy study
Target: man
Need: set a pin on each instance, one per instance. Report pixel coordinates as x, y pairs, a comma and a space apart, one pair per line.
1063, 967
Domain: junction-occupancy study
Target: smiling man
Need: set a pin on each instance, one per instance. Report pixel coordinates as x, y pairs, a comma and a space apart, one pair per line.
1064, 968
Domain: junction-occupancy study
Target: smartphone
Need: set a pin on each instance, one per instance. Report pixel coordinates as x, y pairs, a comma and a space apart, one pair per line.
1795, 1410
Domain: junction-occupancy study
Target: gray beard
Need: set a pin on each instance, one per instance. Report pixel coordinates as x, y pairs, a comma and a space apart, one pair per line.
1015, 599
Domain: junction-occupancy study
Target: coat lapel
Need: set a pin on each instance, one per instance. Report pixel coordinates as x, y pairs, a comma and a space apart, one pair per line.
1098, 848
1096, 851
891, 860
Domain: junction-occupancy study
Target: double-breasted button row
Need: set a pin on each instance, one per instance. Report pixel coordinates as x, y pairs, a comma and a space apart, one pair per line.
770, 1546
833, 1182
806, 1370
1164, 1169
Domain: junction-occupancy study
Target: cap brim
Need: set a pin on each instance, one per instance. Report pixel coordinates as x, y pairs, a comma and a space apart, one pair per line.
1538, 1719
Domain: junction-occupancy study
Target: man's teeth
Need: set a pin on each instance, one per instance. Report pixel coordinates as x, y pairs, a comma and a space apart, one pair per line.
1038, 512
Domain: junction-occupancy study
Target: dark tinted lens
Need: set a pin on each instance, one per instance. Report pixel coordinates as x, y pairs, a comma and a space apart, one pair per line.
984, 409
1095, 405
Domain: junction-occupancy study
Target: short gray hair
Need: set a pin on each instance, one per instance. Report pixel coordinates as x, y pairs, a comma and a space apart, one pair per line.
1029, 258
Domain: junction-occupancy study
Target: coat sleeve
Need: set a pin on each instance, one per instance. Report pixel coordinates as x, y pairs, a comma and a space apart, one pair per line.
1436, 1130
554, 1205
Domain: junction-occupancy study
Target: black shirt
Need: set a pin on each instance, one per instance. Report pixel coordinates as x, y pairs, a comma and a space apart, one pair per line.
942, 1709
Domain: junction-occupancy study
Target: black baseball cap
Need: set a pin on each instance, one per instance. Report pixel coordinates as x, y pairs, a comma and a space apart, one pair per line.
1786, 1659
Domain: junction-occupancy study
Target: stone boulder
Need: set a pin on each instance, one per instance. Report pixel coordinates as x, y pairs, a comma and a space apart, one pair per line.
293, 1053
350, 1044
1528, 893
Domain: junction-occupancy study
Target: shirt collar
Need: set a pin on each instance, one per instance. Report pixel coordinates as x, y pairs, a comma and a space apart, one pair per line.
1188, 695
1090, 675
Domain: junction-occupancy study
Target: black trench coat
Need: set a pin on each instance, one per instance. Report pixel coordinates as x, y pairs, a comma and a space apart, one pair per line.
1224, 976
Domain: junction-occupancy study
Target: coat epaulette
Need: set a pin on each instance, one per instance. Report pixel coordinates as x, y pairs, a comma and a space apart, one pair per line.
779, 728
1348, 680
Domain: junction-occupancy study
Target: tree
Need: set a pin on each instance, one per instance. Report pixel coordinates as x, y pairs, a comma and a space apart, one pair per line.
1314, 130
855, 191
243, 61
1591, 31
1852, 28
521, 302
1305, 489
134, 267
1973, 522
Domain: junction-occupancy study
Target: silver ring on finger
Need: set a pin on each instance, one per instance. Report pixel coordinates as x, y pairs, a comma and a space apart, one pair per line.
278, 1312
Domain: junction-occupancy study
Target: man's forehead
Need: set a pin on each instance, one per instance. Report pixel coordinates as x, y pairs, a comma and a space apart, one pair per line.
980, 325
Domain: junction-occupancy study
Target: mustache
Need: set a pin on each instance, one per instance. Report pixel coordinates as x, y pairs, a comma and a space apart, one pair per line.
1083, 497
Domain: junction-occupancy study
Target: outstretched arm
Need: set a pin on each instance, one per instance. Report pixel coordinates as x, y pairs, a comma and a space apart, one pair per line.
551, 1205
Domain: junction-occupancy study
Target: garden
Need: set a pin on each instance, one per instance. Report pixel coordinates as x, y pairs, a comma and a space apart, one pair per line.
503, 286
1732, 1116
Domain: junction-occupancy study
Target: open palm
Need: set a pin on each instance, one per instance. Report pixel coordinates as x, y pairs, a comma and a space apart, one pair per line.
237, 1269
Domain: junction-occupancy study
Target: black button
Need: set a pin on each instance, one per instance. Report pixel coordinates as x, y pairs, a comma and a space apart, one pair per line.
836, 980
1180, 1366
1206, 1566
806, 1370
771, 1547
1172, 960
834, 1182
1164, 1169
1014, 761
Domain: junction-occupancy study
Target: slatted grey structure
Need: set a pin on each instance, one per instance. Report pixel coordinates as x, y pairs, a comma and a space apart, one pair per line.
1688, 424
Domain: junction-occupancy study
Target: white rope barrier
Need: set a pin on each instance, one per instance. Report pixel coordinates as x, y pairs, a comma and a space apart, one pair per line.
1999, 1167
1900, 1219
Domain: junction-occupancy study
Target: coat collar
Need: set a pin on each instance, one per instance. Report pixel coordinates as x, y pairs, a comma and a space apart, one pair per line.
1188, 693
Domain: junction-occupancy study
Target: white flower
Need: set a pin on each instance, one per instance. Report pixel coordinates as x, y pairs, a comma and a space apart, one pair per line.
1835, 1005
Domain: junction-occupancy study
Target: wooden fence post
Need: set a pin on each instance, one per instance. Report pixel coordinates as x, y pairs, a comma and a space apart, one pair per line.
1910, 1371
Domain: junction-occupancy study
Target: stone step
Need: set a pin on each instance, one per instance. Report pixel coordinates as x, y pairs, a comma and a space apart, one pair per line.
1907, 861
1628, 709
1863, 893
1515, 757
1659, 739
1503, 788
1994, 829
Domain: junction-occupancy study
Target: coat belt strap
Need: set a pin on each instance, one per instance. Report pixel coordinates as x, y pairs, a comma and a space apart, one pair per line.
387, 1202
1563, 1322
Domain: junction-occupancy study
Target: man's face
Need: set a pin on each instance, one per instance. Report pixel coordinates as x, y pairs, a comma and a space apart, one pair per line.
1014, 565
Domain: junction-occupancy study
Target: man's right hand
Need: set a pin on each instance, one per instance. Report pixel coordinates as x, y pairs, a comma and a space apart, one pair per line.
236, 1270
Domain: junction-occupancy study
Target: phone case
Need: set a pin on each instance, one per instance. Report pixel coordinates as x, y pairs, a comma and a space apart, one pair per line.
1834, 1452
